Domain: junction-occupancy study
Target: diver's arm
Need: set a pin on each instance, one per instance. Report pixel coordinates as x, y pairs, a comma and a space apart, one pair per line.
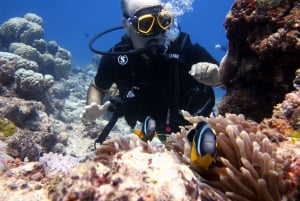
95, 94
206, 73
95, 108
204, 68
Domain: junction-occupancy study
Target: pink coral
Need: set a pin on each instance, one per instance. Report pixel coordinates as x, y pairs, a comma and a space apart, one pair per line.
291, 102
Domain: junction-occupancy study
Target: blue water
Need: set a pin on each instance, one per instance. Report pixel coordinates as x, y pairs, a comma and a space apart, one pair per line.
72, 23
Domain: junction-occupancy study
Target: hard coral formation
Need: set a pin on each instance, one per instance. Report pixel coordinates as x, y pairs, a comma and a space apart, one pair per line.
21, 112
262, 57
20, 30
34, 134
25, 37
32, 85
9, 63
31, 17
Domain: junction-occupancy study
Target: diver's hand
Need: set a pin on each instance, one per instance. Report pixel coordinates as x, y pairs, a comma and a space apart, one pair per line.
93, 111
206, 73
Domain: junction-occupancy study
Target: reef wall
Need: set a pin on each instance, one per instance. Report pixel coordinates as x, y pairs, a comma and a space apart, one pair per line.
263, 55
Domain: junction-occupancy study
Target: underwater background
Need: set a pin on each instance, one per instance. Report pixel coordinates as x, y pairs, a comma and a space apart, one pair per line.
48, 153
72, 23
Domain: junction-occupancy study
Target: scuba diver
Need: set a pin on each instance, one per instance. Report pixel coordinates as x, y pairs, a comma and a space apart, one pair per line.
158, 72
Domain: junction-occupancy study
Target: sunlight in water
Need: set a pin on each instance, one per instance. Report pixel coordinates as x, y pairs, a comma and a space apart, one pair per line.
177, 8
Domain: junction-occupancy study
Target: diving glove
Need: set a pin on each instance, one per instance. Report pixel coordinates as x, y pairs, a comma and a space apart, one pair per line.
93, 111
206, 73
204, 145
145, 131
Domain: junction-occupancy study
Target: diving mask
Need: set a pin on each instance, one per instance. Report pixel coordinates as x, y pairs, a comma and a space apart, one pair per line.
151, 21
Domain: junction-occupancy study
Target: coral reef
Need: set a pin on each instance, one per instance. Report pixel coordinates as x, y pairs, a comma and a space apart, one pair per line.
7, 128
31, 17
32, 85
133, 175
44, 62
9, 63
23, 113
25, 37
20, 30
56, 163
52, 157
34, 135
262, 57
268, 3
25, 181
4, 157
26, 51
255, 161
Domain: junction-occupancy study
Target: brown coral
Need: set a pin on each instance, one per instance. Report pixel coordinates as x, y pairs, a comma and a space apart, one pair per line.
262, 57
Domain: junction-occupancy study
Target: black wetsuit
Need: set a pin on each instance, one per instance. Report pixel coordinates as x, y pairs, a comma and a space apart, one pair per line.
160, 85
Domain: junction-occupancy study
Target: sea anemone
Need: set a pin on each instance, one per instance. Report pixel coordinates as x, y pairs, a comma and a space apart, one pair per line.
118, 143
247, 165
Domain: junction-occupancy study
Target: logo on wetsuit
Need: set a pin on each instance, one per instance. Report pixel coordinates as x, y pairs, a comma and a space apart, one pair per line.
122, 59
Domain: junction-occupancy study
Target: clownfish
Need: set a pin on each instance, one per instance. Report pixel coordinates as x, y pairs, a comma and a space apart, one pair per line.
145, 131
204, 145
